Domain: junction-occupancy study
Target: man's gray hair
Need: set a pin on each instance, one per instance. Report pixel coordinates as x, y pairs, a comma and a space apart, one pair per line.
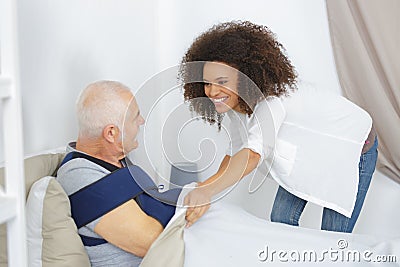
100, 104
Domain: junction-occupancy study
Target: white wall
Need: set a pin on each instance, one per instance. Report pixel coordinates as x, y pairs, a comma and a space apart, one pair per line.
66, 44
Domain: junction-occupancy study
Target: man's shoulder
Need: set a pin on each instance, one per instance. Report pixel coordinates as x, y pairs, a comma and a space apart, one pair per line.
78, 173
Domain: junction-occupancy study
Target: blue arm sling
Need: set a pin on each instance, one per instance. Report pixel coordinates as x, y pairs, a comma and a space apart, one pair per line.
116, 188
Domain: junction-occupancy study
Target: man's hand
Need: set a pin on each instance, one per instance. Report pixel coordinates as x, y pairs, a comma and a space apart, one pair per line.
198, 202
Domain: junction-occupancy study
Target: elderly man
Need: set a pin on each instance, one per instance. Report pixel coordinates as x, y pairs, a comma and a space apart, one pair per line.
109, 121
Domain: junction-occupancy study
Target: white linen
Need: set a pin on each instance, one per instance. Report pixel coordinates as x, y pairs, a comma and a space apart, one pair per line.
310, 143
229, 236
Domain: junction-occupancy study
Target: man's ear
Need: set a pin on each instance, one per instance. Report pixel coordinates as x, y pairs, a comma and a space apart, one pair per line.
111, 133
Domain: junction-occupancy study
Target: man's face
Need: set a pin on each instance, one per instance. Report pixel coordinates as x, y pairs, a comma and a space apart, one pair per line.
132, 122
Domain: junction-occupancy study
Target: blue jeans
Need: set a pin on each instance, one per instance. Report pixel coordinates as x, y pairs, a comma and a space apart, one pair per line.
288, 208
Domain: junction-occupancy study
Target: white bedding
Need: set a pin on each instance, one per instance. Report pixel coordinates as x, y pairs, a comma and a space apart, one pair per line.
229, 236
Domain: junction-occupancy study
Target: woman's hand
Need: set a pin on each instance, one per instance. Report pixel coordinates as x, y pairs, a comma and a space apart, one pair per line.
198, 202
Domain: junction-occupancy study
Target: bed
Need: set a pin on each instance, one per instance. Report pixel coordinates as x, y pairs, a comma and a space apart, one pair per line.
225, 236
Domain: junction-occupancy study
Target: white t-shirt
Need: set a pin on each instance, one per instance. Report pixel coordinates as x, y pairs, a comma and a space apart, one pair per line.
310, 143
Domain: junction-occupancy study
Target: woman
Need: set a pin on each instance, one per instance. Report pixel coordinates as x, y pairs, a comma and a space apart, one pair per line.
309, 141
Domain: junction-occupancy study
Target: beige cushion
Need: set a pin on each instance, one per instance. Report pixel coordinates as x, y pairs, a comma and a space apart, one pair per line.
53, 238
168, 250
35, 168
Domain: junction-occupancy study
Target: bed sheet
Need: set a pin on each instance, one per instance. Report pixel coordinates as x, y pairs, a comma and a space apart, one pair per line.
229, 236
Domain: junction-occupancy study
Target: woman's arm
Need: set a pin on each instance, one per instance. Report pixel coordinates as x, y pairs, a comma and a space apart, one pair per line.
231, 170
224, 163
129, 228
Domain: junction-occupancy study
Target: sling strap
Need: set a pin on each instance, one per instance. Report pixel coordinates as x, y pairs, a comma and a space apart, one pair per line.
116, 188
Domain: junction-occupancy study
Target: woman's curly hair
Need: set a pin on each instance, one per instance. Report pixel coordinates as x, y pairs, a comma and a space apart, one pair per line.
253, 50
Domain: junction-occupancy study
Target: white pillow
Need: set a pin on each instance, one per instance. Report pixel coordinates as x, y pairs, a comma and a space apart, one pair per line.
53, 239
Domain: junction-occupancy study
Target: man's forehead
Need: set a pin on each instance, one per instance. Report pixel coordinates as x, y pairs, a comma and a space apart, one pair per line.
133, 106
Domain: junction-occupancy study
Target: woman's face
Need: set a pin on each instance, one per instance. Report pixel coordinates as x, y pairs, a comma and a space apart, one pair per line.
220, 85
